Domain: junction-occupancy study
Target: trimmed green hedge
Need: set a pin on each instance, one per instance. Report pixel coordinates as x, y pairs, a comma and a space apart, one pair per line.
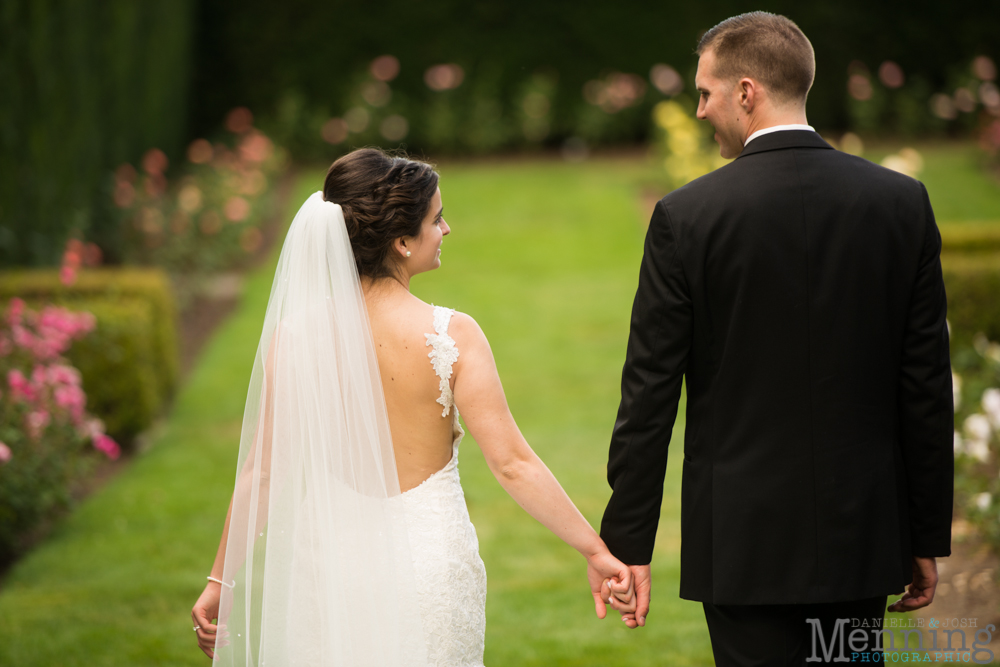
972, 282
118, 364
976, 237
129, 363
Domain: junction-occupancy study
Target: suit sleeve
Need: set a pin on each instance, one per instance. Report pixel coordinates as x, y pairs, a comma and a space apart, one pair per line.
926, 407
655, 361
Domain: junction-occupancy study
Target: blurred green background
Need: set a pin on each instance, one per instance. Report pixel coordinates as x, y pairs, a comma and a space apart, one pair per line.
90, 86
178, 137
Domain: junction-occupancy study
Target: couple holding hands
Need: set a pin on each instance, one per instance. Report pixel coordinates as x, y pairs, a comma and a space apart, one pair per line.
796, 292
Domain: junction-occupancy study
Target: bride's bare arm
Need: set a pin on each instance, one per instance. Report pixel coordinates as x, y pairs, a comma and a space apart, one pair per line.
480, 398
206, 609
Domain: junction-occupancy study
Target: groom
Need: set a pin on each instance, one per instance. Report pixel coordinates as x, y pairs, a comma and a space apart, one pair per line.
798, 292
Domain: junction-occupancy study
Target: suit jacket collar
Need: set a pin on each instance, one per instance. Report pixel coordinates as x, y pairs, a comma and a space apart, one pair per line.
776, 141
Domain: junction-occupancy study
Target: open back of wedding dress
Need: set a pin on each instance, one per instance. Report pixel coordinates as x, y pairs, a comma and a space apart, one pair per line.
319, 564
451, 578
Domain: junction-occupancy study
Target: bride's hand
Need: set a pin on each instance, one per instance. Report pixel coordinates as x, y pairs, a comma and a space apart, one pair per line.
610, 583
204, 611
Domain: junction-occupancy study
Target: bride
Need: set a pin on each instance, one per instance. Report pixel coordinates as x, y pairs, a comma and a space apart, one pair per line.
348, 541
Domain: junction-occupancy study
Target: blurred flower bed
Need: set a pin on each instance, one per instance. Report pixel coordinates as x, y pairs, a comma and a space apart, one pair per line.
884, 101
686, 143
457, 110
977, 437
45, 429
129, 361
209, 217
888, 100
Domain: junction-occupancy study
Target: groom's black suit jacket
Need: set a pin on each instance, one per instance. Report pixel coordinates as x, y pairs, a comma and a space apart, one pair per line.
798, 291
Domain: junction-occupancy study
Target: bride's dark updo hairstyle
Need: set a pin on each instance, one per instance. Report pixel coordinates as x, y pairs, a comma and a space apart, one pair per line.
383, 198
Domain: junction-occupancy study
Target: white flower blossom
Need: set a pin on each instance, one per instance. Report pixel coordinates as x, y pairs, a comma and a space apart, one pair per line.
991, 406
983, 500
959, 445
956, 389
981, 343
977, 426
978, 449
993, 351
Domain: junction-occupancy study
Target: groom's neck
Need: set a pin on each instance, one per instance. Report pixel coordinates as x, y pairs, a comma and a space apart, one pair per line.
765, 117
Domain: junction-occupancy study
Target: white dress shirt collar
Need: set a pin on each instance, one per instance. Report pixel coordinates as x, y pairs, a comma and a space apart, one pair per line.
777, 128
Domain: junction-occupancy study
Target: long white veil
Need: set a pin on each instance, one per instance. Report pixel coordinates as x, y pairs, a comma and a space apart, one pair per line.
317, 563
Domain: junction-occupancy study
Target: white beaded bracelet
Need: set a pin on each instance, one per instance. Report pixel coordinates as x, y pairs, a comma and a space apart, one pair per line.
221, 582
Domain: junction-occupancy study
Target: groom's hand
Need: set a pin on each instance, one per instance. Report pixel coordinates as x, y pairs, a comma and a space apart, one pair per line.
920, 592
641, 583
610, 583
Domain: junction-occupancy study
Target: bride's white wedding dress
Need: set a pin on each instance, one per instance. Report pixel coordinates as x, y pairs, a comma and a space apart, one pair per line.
450, 576
327, 563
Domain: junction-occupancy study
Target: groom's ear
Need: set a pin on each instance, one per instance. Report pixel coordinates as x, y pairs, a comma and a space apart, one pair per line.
749, 93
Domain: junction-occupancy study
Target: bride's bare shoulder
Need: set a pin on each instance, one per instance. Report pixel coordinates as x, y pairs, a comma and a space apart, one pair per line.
467, 334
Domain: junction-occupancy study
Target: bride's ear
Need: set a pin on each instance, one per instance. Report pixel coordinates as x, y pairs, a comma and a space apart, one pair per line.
400, 248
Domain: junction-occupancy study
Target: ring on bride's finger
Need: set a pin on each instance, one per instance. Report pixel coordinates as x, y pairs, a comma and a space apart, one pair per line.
197, 627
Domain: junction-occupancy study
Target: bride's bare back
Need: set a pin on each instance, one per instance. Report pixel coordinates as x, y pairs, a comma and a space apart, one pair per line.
421, 437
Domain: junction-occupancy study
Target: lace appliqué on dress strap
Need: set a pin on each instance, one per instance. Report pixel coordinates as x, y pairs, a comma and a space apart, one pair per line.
443, 354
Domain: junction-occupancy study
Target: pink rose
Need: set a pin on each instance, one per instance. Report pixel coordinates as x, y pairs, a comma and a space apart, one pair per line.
20, 388
14, 311
256, 148
36, 423
62, 374
109, 447
46, 350
57, 327
67, 274
16, 379
5, 453
72, 399
22, 337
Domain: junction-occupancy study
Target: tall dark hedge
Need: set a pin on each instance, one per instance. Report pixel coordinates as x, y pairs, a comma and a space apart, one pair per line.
254, 52
84, 86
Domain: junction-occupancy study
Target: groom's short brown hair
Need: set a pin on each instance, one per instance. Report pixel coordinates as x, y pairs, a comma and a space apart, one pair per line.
766, 47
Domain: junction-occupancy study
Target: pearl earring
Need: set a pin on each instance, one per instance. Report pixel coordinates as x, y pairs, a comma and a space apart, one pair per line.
407, 253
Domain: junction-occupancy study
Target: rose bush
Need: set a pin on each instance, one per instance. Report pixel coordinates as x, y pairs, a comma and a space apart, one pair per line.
977, 437
45, 429
210, 217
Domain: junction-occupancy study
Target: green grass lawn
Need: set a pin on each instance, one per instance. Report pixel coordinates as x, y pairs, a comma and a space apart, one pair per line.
544, 255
